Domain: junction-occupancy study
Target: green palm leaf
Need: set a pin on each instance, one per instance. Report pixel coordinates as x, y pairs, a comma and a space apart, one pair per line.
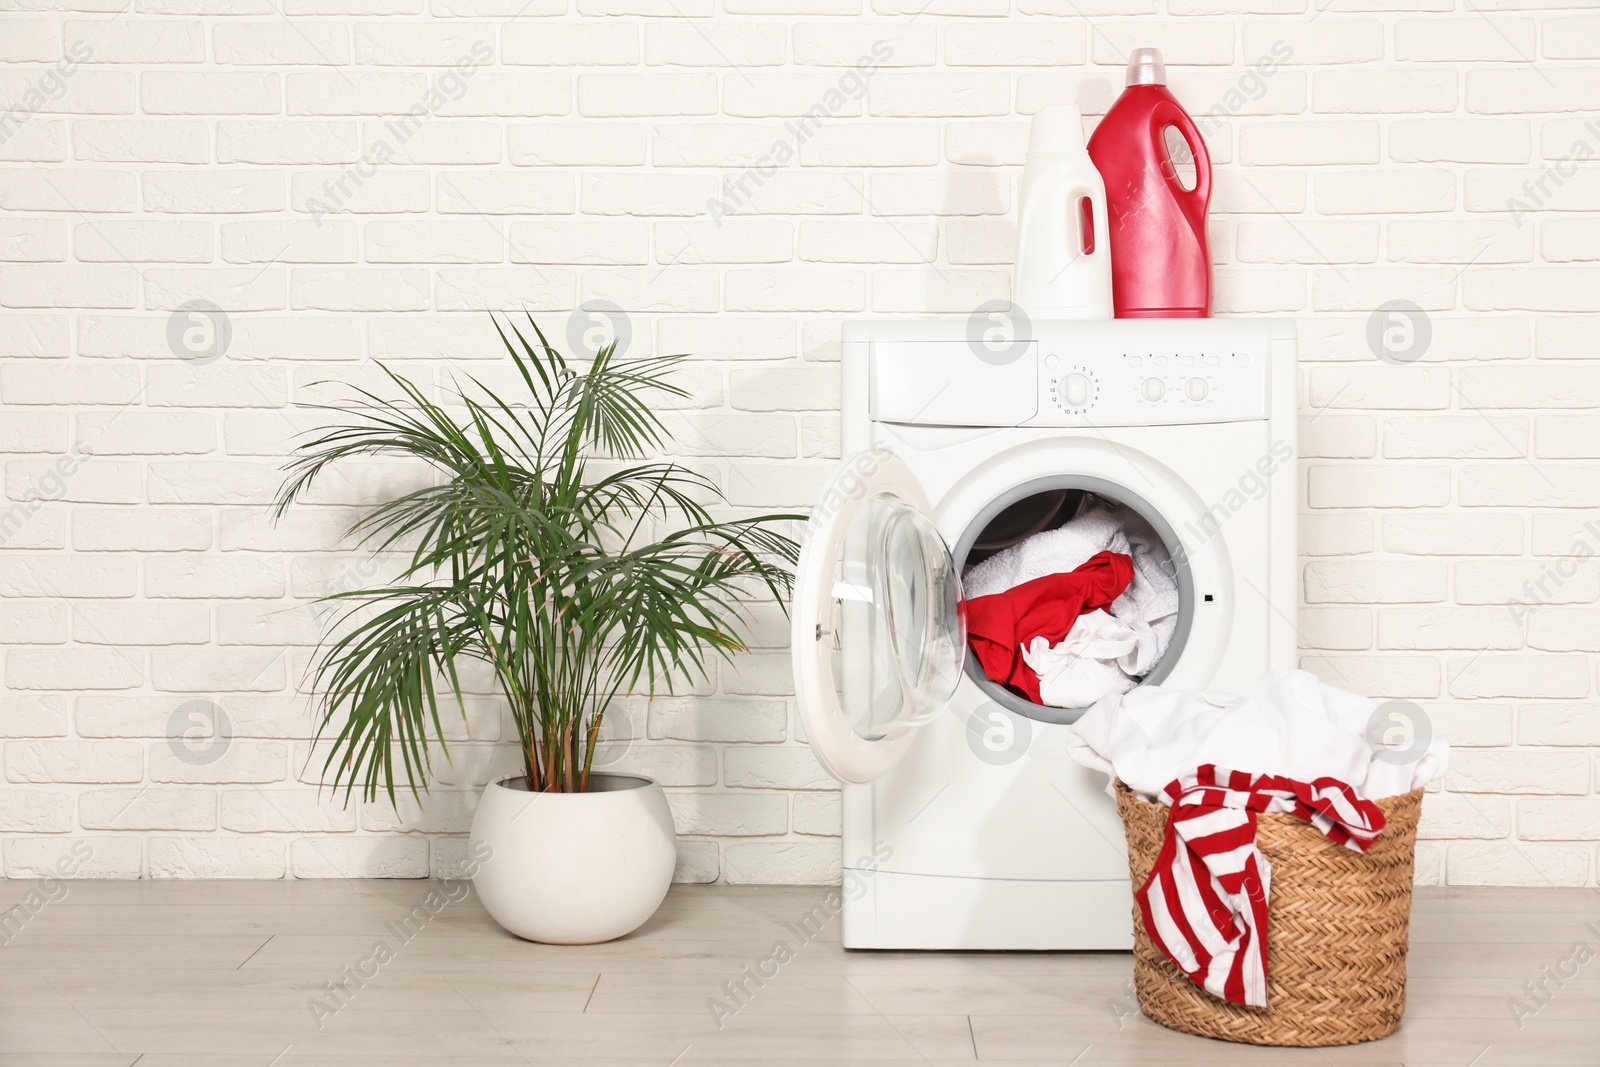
523, 557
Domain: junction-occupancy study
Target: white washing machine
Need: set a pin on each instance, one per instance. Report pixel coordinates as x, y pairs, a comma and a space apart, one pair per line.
965, 824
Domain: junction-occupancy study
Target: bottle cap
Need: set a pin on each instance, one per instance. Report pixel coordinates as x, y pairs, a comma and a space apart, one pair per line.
1058, 128
1146, 68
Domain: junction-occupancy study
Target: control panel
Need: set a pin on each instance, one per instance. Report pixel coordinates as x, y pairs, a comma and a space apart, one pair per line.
1125, 372
1180, 377
1172, 383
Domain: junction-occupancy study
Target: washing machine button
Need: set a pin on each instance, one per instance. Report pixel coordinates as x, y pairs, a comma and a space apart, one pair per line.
1213, 361
1196, 388
1075, 390
1153, 389
1052, 362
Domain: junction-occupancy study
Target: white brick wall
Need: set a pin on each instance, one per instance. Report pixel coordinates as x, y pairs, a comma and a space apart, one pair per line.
617, 150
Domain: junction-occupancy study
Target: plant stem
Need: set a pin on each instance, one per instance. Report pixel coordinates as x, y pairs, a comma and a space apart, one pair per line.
588, 755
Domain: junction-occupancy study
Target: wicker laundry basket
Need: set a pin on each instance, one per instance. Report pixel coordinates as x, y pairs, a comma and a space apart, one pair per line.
1338, 927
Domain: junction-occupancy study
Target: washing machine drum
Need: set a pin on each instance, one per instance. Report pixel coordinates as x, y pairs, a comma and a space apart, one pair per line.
1053, 525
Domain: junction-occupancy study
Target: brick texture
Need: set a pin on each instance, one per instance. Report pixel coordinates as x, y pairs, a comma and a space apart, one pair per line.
362, 185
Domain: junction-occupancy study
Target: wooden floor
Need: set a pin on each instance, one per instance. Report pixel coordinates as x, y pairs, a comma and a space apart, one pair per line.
227, 974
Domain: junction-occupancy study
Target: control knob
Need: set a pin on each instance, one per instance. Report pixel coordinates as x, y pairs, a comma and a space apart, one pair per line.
1075, 390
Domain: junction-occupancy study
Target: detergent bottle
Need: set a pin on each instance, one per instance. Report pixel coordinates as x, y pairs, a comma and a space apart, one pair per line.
1063, 260
1160, 265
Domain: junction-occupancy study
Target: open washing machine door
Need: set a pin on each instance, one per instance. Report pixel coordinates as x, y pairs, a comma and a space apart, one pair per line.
880, 634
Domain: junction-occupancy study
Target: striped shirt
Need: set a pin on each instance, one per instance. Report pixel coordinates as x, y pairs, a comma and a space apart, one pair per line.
1205, 902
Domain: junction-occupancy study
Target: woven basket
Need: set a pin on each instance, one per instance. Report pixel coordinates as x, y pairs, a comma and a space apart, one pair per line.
1338, 923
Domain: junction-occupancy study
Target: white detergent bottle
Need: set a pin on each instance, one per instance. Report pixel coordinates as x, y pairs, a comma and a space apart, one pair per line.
1063, 242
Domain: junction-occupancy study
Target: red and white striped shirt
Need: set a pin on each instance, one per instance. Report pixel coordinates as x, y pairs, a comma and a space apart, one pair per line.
1205, 902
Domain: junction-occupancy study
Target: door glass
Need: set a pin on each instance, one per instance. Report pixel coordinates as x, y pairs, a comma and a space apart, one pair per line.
898, 631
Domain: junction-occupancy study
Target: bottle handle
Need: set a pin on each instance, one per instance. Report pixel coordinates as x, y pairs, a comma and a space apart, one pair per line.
1168, 113
1086, 222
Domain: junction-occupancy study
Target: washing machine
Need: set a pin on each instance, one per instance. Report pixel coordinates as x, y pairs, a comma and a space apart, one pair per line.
966, 825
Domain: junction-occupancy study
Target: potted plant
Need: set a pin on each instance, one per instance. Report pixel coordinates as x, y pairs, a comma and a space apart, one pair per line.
552, 550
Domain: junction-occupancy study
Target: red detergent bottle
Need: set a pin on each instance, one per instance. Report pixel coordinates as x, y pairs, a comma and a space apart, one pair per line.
1160, 267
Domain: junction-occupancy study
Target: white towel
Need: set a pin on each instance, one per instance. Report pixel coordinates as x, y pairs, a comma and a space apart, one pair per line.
1083, 666
1066, 548
1292, 725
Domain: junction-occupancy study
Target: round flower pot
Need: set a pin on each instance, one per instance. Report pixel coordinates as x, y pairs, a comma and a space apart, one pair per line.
573, 868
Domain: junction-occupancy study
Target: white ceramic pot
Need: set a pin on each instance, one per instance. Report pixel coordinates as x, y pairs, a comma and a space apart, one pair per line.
573, 868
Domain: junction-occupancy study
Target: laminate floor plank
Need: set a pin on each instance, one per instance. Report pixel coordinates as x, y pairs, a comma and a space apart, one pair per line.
352, 973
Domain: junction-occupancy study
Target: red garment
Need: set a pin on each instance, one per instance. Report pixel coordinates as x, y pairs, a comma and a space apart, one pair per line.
1000, 625
1205, 902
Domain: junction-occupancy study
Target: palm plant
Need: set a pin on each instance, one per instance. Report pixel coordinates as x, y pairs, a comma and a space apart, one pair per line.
532, 553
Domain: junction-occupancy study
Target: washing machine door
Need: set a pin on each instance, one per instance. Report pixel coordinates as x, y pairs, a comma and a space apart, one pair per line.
879, 628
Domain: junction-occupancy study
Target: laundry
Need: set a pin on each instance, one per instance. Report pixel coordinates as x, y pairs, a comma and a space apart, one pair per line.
1293, 725
1066, 548
1143, 618
1000, 625
1205, 902
1150, 605
1083, 666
